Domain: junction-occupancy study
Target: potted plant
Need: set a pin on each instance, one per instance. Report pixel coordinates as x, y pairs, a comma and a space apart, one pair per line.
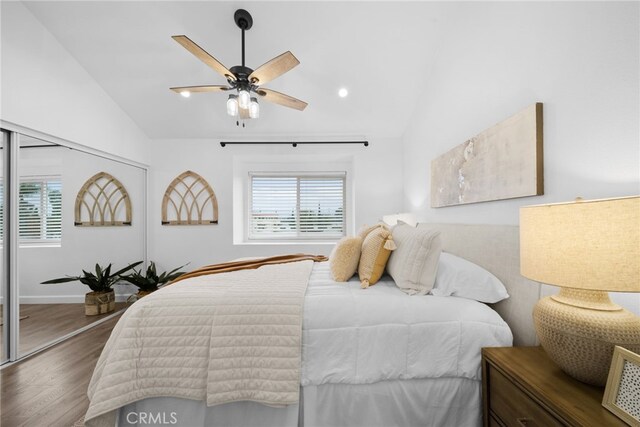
101, 299
149, 282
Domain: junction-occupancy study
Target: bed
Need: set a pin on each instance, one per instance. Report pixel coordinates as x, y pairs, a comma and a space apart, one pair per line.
370, 357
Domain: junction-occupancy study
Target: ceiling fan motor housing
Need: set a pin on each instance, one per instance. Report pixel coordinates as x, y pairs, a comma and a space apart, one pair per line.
242, 74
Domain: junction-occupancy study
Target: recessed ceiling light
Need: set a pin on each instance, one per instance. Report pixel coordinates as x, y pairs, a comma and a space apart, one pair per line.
185, 93
343, 92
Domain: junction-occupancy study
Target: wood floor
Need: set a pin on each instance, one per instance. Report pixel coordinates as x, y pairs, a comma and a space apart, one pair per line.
50, 388
46, 322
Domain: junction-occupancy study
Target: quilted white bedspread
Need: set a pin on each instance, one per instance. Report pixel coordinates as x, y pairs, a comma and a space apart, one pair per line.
361, 336
217, 338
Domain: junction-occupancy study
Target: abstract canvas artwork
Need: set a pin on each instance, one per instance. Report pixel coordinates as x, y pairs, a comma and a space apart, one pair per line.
502, 162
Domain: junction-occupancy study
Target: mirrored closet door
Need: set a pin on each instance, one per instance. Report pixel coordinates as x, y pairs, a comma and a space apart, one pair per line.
77, 212
4, 318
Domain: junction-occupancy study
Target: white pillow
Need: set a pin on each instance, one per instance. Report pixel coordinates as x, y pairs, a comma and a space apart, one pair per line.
461, 278
414, 263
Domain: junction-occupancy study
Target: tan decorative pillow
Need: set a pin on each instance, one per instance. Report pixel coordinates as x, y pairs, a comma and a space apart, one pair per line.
344, 258
366, 229
376, 248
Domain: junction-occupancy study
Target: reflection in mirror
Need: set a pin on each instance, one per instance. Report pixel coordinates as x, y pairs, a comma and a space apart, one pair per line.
52, 246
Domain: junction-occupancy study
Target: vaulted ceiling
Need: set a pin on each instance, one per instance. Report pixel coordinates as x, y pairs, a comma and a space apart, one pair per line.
381, 51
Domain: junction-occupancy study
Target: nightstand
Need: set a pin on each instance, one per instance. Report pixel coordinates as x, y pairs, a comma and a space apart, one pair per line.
521, 387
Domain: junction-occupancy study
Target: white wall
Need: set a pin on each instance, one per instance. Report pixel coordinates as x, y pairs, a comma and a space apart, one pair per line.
377, 182
44, 88
581, 59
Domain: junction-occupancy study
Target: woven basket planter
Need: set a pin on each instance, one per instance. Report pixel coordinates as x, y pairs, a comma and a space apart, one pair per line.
96, 303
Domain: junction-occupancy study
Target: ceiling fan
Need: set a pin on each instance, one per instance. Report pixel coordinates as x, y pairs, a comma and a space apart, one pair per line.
241, 79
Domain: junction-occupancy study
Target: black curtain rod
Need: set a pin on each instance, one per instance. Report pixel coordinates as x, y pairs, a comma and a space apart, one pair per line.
293, 143
22, 147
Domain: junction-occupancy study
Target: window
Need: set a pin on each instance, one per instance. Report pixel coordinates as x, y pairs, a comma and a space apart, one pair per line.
296, 206
40, 210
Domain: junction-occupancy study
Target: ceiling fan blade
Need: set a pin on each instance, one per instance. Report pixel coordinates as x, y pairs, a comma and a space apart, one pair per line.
202, 55
281, 99
195, 89
274, 68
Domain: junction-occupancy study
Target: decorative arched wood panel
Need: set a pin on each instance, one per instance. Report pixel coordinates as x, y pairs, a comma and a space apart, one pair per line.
189, 200
102, 201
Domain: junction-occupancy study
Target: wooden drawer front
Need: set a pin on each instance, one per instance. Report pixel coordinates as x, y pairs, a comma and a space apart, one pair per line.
493, 422
513, 407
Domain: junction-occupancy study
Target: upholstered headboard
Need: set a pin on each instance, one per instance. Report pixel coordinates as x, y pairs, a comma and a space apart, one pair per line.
496, 248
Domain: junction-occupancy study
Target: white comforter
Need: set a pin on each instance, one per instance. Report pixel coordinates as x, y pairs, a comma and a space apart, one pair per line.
360, 336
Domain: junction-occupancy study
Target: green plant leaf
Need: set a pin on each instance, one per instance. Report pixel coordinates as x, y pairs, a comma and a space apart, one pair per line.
176, 269
174, 274
101, 281
61, 280
150, 281
127, 268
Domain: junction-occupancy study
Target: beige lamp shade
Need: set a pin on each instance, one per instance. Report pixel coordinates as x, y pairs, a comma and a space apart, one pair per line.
590, 244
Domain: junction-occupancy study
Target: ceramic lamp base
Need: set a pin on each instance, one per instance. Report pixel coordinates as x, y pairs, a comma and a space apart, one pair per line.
579, 329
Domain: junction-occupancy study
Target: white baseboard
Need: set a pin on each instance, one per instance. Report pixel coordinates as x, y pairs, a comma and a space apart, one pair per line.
59, 299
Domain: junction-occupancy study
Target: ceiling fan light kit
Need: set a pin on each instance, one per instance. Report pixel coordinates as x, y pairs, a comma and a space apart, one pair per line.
243, 80
243, 98
232, 105
254, 108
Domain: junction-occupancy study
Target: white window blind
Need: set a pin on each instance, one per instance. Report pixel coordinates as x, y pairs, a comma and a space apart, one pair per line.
296, 206
40, 210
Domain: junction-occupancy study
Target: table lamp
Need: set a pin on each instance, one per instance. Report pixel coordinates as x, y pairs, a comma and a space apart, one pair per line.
587, 248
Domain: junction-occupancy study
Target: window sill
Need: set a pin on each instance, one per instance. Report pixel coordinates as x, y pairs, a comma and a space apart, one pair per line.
286, 242
39, 245
35, 245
